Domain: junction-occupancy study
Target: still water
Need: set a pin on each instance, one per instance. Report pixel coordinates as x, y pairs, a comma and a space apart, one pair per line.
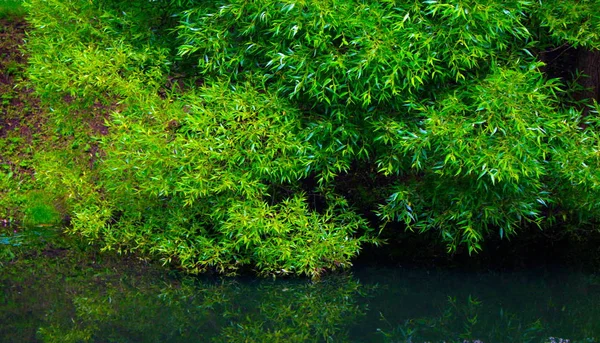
55, 296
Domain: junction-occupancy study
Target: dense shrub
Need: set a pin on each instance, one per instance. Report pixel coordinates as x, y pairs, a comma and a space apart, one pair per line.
232, 125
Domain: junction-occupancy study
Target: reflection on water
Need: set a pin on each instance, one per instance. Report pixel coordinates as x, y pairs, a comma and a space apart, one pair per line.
56, 298
451, 306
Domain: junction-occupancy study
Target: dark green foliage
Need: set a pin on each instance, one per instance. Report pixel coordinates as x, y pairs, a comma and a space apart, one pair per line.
214, 118
572, 22
11, 9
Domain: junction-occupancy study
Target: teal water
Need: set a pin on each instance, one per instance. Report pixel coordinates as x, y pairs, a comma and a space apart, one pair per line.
52, 295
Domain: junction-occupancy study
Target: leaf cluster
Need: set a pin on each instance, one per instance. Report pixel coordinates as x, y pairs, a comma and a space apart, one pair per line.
219, 115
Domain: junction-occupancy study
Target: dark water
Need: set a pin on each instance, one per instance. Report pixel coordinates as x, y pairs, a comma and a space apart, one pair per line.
53, 295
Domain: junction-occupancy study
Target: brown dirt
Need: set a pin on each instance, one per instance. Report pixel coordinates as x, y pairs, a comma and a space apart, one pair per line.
19, 108
21, 115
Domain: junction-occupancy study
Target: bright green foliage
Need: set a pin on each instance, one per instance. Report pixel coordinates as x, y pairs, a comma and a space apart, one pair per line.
221, 114
349, 52
198, 189
204, 178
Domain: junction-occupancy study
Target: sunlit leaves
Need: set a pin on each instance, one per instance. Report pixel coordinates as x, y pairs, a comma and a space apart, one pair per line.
444, 102
229, 146
348, 52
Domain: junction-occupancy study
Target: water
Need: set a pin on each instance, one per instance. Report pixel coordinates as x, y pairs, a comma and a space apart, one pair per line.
56, 295
526, 306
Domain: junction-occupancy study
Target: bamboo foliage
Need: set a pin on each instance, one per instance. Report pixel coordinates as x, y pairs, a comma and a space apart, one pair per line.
227, 117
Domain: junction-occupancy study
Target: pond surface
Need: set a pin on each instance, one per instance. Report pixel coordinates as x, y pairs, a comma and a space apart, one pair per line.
52, 294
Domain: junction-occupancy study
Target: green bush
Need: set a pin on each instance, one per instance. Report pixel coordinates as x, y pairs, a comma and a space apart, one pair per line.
232, 125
